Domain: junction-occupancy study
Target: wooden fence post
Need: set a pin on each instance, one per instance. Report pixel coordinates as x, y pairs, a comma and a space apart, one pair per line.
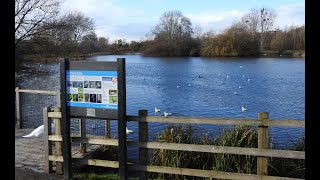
143, 137
262, 162
18, 113
83, 133
107, 129
58, 100
47, 144
65, 122
122, 123
58, 147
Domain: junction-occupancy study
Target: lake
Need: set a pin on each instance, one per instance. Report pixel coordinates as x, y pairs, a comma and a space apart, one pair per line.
202, 87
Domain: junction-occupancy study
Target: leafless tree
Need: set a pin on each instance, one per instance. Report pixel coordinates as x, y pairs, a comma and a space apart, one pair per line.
174, 31
32, 15
260, 21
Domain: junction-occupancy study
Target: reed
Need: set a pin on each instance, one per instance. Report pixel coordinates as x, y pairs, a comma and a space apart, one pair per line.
238, 136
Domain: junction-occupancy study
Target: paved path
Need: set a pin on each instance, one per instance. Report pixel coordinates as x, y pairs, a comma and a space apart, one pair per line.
29, 152
25, 174
29, 157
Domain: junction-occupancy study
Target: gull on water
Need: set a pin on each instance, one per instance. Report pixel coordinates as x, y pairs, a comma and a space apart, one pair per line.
156, 109
243, 109
166, 114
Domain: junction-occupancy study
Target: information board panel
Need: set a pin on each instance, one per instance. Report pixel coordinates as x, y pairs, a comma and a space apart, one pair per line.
92, 89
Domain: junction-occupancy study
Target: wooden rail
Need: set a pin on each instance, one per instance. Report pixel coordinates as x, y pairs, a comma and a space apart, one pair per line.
217, 121
262, 152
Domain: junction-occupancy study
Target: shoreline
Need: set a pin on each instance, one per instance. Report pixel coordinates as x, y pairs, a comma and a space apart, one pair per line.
37, 58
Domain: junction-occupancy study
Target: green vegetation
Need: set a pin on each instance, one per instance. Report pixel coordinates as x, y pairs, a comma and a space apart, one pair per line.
239, 136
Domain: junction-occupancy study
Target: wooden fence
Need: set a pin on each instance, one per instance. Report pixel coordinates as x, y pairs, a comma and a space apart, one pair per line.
262, 152
18, 105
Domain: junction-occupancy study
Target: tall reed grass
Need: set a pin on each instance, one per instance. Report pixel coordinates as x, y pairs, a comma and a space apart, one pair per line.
239, 136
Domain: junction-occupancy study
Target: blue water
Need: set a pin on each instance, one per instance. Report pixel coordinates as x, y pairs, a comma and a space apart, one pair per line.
276, 86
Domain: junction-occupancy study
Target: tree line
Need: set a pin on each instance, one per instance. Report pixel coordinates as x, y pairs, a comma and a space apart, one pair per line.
41, 30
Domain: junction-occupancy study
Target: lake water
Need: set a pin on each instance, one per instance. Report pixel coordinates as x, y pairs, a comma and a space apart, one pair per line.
202, 87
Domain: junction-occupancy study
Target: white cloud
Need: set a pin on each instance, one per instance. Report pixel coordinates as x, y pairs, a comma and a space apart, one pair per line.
293, 14
112, 21
215, 20
130, 31
133, 24
101, 11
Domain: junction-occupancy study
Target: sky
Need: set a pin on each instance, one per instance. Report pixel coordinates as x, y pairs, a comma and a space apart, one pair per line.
134, 19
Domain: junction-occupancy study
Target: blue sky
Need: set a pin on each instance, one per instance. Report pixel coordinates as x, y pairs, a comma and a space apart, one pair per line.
133, 19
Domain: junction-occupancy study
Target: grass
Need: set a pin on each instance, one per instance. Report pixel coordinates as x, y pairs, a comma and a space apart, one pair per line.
294, 168
239, 136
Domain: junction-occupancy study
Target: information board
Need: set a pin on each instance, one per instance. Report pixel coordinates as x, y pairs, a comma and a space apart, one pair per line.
92, 89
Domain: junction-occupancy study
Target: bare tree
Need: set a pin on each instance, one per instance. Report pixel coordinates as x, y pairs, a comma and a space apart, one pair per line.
251, 20
103, 44
174, 30
77, 24
32, 15
69, 28
260, 21
277, 42
89, 42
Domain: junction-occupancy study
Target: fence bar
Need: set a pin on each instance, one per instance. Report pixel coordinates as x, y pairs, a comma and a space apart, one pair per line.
219, 121
262, 162
58, 147
47, 144
143, 137
18, 112
107, 129
83, 133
